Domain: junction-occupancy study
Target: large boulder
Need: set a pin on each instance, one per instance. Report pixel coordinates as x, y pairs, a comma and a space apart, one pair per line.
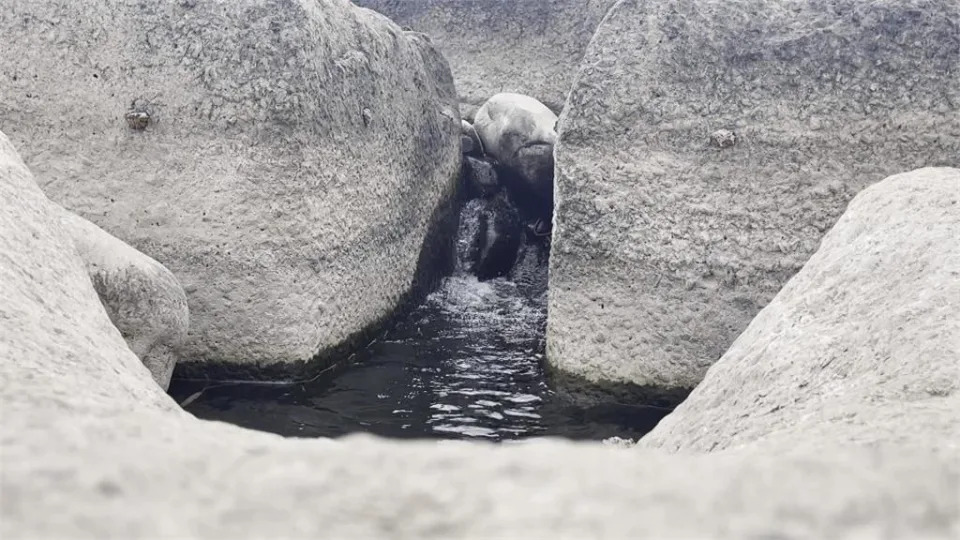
519, 132
494, 46
285, 159
143, 299
51, 311
90, 447
861, 346
705, 149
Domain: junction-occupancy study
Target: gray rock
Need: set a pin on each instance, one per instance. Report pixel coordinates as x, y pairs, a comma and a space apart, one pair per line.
296, 155
521, 46
480, 177
90, 447
665, 244
519, 132
861, 346
143, 299
467, 146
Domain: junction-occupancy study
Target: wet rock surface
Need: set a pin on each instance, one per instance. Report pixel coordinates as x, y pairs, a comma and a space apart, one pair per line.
480, 177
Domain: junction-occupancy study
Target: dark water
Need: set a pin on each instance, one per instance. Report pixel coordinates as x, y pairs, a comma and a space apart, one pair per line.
466, 363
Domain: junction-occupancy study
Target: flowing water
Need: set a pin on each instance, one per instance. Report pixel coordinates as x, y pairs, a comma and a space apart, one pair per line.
465, 363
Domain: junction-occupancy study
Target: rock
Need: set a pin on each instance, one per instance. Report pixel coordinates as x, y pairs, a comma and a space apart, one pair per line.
529, 272
530, 48
467, 133
468, 111
490, 236
480, 177
143, 299
519, 132
296, 158
92, 448
861, 346
723, 138
666, 243
466, 145
51, 312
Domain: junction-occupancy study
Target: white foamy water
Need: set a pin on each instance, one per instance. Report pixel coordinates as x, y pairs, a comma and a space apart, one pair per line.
492, 369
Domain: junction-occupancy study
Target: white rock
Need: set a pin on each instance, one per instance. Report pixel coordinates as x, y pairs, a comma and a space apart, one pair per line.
143, 299
861, 346
519, 132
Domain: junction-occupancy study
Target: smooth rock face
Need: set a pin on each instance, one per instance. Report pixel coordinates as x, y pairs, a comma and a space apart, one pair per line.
519, 132
522, 46
284, 159
706, 148
90, 447
143, 299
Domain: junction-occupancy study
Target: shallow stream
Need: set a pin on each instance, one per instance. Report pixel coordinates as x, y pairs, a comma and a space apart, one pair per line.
465, 363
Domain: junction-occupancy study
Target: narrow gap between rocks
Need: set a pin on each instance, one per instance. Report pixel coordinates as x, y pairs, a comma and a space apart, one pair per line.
468, 361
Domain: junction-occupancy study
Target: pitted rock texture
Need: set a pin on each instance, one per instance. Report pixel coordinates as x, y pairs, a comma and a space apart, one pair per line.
668, 238
522, 46
862, 345
143, 299
292, 159
90, 447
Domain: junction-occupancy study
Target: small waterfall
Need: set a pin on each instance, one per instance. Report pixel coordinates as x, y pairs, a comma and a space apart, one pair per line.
465, 363
489, 237
471, 229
